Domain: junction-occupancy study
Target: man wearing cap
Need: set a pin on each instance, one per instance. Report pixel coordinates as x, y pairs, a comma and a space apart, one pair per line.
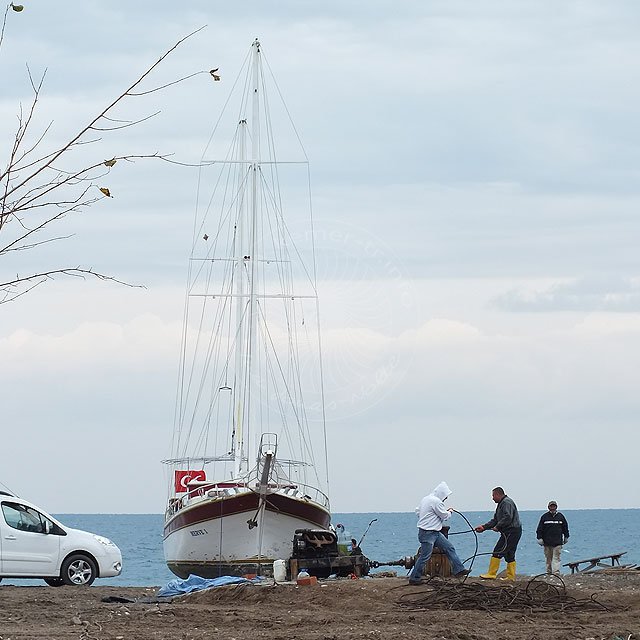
552, 533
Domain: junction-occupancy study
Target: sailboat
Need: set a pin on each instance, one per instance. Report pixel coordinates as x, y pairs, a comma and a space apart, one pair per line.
249, 461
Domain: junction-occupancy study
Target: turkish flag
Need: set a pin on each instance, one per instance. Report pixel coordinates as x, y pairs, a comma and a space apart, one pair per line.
181, 478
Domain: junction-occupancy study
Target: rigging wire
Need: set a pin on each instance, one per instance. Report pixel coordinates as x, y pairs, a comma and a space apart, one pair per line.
228, 190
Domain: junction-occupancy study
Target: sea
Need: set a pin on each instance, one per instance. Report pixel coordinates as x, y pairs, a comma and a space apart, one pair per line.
387, 537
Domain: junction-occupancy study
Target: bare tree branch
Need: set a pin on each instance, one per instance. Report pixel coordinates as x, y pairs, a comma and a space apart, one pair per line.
127, 124
37, 190
4, 22
8, 292
169, 84
26, 247
103, 113
75, 206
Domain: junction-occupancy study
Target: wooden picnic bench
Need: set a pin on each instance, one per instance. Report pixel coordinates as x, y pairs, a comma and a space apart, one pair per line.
612, 560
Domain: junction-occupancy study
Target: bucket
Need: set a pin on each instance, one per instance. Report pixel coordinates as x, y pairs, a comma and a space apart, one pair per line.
279, 571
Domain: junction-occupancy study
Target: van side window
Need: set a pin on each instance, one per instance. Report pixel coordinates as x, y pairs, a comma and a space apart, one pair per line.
17, 516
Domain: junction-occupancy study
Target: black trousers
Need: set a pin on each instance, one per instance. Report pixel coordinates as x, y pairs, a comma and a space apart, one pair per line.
507, 544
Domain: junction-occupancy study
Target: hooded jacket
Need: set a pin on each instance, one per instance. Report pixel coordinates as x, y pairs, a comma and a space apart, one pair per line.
431, 510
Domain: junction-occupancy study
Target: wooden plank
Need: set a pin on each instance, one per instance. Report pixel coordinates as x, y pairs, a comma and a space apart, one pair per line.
595, 562
624, 568
613, 556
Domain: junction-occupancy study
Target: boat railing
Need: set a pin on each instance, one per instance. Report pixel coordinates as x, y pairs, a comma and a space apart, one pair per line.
306, 492
206, 490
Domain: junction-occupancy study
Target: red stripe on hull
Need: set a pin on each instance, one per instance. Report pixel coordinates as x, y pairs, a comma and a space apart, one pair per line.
277, 503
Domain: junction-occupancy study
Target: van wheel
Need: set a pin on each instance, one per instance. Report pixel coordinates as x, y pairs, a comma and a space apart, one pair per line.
54, 582
78, 570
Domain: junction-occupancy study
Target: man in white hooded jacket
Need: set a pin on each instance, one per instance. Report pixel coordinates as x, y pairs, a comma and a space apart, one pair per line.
432, 513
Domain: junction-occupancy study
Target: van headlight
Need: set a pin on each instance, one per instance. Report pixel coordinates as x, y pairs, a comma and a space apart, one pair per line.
102, 540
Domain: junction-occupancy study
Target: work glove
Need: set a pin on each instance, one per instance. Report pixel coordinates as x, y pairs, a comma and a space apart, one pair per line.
541, 542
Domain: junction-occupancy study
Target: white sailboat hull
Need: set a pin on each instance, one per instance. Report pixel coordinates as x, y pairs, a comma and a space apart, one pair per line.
212, 537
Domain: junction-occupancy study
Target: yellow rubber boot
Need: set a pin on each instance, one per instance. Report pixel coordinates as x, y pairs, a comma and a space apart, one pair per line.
511, 571
494, 565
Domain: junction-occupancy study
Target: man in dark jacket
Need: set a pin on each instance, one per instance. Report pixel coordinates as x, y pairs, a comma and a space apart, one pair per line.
506, 521
552, 533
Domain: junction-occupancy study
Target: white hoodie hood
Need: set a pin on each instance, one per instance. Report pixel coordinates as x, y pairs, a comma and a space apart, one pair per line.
442, 491
431, 511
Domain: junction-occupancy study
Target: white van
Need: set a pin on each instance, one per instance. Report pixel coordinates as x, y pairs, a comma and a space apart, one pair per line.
35, 545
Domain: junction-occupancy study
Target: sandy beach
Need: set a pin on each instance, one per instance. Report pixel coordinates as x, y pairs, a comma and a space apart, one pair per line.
338, 610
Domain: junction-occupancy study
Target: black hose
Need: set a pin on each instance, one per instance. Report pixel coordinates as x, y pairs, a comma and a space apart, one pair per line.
470, 530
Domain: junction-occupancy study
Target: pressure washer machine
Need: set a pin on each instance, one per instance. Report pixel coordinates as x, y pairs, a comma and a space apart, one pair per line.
316, 550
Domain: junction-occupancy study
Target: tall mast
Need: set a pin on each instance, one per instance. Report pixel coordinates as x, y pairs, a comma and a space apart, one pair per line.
239, 384
247, 260
255, 194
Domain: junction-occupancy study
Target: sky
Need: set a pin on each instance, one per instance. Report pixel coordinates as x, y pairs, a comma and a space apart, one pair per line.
474, 172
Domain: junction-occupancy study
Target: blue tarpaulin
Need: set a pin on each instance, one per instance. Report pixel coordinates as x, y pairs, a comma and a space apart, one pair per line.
179, 587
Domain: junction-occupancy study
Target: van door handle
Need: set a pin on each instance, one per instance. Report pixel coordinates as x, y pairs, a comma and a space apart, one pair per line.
9, 537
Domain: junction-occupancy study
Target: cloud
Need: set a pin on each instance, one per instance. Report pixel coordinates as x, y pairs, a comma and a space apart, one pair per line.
395, 396
472, 166
608, 293
493, 403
